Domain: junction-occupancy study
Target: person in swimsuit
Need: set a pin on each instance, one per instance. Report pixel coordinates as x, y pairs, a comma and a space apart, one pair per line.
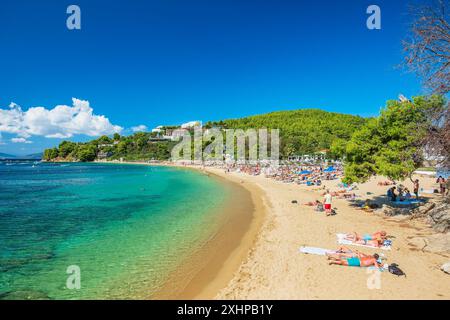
416, 188
327, 199
362, 261
370, 242
442, 182
344, 252
379, 235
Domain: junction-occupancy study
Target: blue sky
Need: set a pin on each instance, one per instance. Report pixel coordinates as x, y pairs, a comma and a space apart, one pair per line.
171, 61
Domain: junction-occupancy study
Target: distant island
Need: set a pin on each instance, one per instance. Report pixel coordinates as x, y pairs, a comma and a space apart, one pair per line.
34, 156
301, 131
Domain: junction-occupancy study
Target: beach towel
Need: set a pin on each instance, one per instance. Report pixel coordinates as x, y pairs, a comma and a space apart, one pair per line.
341, 240
407, 202
323, 252
316, 251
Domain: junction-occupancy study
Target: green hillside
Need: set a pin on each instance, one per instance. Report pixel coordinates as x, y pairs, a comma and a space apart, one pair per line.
301, 131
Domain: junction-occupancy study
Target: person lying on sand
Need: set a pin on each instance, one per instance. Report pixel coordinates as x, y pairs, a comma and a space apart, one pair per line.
350, 196
317, 204
345, 253
312, 204
376, 239
363, 261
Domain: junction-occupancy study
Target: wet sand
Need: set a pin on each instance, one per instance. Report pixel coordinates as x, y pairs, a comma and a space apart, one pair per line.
232, 244
210, 268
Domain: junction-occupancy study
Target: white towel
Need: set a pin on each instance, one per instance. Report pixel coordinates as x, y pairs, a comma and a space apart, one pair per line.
316, 251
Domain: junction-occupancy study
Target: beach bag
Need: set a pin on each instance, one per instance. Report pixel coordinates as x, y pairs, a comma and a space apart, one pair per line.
394, 269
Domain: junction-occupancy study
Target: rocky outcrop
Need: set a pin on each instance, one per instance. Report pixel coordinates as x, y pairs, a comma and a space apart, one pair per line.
395, 211
439, 217
437, 213
418, 210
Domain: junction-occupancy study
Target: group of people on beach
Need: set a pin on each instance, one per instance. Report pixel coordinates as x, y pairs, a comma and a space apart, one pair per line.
401, 193
354, 258
290, 172
314, 175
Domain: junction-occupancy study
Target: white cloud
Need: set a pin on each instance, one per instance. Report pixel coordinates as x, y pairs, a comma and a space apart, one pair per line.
140, 128
60, 122
20, 140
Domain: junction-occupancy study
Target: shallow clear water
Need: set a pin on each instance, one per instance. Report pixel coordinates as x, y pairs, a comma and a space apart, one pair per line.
126, 226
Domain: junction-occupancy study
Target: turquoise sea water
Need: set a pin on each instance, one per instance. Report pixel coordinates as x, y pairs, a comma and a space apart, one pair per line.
127, 227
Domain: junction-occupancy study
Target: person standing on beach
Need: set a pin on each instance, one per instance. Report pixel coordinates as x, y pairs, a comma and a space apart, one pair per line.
442, 182
416, 188
327, 200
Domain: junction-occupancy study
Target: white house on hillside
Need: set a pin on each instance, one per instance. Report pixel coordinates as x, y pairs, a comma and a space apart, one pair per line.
191, 125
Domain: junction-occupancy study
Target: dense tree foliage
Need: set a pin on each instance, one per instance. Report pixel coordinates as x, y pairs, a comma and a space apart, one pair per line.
134, 147
301, 131
390, 145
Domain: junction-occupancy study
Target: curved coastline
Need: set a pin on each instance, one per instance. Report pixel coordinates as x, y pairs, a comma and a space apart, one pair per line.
228, 249
231, 246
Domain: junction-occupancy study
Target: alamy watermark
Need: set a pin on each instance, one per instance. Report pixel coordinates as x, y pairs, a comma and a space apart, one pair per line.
374, 279
227, 146
73, 21
374, 20
73, 281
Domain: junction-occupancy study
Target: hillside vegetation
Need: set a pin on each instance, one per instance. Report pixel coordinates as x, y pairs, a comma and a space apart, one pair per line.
301, 132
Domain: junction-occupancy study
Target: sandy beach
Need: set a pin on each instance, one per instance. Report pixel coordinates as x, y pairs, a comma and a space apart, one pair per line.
262, 261
274, 268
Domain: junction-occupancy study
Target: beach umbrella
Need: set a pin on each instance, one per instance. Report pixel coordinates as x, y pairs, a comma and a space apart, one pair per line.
305, 172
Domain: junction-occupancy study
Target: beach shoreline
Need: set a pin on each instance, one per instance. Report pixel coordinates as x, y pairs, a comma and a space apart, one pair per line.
238, 238
275, 269
265, 263
229, 249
